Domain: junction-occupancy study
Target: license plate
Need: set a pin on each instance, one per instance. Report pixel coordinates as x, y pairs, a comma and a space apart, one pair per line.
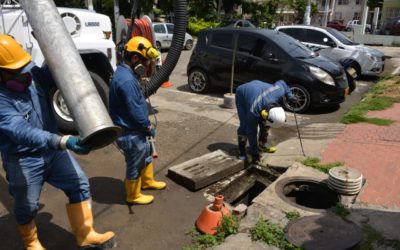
346, 91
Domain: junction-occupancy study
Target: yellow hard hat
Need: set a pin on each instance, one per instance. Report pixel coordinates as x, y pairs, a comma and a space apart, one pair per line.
12, 55
142, 46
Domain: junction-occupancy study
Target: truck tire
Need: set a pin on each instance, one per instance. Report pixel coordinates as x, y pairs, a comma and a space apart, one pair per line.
63, 118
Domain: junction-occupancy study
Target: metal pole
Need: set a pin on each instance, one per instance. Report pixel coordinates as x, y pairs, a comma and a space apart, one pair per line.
235, 41
76, 86
307, 13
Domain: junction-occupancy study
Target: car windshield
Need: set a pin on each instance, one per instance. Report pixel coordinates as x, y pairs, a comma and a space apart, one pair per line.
342, 38
293, 47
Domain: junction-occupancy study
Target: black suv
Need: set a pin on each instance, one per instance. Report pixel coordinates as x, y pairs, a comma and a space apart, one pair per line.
268, 56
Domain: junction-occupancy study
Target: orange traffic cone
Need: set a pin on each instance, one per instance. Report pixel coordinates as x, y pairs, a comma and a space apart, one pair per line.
211, 217
166, 84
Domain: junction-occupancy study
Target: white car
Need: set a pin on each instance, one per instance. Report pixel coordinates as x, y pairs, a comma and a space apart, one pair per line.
334, 45
164, 33
350, 25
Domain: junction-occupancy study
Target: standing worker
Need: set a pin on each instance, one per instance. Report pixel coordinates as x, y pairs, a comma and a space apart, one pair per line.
128, 109
257, 105
33, 153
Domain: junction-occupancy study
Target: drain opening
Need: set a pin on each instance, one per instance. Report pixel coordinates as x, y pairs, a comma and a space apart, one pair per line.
307, 193
248, 185
248, 196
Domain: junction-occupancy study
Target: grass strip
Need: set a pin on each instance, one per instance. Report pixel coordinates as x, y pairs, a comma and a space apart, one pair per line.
382, 96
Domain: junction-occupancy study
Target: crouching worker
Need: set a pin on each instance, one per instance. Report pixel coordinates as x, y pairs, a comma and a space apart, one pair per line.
257, 105
128, 109
33, 153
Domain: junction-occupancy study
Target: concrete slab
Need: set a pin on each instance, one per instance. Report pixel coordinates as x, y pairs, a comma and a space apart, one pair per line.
314, 137
205, 170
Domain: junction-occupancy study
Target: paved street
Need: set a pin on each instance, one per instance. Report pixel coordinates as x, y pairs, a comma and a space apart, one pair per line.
188, 125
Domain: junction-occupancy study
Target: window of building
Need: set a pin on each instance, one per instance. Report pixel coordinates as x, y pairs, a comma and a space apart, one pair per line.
338, 16
343, 2
357, 2
356, 16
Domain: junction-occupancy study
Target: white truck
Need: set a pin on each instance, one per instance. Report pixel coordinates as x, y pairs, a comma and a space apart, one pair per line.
92, 35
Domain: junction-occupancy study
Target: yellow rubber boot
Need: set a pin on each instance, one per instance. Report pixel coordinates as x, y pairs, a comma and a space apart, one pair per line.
148, 181
133, 195
29, 236
266, 148
81, 219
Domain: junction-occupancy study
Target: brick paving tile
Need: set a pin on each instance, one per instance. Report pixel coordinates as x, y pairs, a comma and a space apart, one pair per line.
375, 151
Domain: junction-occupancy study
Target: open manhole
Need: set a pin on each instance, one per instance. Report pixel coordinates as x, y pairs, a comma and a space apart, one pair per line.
244, 187
307, 193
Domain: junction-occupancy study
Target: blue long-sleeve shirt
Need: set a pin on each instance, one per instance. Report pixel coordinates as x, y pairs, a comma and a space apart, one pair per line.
27, 124
127, 105
251, 98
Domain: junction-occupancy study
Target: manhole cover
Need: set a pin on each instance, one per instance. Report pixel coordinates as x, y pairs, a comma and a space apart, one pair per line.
205, 170
325, 232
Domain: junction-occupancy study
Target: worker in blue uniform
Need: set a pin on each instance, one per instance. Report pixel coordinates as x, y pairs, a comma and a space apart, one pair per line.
33, 152
128, 109
257, 104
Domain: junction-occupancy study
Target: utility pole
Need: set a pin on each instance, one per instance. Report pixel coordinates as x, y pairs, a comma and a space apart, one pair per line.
89, 4
307, 13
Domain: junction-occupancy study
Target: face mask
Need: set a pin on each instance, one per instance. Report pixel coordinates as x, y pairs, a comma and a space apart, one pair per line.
140, 69
19, 85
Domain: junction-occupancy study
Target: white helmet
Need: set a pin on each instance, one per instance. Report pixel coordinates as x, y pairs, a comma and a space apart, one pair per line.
276, 117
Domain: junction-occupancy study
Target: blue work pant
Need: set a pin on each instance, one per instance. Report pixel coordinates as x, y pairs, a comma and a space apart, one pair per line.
27, 174
137, 153
248, 124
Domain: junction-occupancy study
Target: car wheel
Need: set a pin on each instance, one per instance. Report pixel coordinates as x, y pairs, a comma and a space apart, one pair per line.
60, 110
303, 99
198, 81
189, 44
158, 46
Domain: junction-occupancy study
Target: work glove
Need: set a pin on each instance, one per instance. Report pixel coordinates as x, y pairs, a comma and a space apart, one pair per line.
150, 131
73, 143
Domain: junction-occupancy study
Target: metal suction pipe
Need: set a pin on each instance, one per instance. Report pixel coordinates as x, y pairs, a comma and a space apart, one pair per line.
73, 80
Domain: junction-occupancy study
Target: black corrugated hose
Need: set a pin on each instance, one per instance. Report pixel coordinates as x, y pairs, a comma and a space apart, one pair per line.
162, 75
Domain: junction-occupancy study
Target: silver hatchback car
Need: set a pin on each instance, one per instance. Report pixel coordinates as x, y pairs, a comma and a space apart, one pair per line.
164, 33
336, 46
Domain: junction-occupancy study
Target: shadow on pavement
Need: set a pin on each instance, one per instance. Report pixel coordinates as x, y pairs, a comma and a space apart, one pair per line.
230, 148
50, 235
323, 110
107, 190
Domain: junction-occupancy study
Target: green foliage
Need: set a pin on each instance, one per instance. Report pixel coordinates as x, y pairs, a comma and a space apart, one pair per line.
229, 225
376, 99
315, 163
263, 14
299, 7
293, 215
272, 234
196, 25
340, 210
205, 9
